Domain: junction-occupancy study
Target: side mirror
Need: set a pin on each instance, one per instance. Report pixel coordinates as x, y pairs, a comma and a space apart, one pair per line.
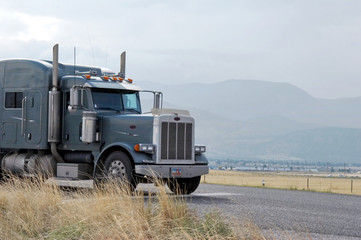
76, 96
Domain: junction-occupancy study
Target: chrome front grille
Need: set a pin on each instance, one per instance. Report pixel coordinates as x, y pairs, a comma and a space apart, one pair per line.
176, 141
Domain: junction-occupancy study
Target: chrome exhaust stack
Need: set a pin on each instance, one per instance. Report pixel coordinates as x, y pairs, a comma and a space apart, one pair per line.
122, 65
54, 108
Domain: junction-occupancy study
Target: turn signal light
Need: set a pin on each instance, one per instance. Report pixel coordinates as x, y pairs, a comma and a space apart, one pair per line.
147, 148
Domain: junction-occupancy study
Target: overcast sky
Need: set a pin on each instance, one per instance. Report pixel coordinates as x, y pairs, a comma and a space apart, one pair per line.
315, 45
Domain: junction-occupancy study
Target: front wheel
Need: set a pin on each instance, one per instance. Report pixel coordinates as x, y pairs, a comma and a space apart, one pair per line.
183, 185
1, 171
117, 167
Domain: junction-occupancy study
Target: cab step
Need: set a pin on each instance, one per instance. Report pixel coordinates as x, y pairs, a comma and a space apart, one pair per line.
64, 182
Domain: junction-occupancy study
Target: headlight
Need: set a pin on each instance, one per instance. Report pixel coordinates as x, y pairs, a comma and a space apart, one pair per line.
199, 149
142, 147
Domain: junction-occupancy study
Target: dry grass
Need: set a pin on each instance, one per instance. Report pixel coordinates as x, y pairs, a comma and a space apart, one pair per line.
31, 209
284, 181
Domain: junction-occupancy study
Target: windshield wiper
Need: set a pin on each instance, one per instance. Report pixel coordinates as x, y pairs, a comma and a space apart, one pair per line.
132, 110
108, 108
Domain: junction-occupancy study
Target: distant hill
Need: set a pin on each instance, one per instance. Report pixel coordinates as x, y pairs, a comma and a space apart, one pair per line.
248, 99
318, 145
247, 119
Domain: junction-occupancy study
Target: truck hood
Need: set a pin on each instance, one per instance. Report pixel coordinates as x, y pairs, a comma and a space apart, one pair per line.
130, 129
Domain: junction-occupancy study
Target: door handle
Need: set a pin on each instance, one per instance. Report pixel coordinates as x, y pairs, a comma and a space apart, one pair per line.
23, 116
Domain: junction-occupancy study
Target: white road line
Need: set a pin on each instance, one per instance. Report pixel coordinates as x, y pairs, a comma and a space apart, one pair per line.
215, 194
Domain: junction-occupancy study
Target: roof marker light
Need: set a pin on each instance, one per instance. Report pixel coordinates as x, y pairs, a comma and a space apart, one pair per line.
106, 78
87, 76
129, 80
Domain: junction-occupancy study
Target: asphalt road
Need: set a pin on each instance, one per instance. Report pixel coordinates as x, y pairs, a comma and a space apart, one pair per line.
321, 215
284, 213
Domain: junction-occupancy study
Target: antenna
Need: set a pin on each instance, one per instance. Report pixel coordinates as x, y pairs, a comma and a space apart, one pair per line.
122, 65
106, 57
74, 60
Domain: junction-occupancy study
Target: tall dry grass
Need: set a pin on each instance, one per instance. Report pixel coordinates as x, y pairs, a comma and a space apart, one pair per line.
32, 209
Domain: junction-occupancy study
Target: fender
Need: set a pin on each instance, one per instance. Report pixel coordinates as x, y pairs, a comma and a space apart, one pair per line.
201, 159
135, 157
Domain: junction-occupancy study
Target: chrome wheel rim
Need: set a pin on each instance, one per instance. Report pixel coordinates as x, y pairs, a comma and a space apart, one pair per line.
117, 169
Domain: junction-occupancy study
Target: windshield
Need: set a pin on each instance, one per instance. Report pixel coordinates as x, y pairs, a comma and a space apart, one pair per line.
109, 99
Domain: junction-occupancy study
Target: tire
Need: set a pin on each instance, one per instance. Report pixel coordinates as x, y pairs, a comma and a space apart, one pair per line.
1, 171
117, 167
183, 185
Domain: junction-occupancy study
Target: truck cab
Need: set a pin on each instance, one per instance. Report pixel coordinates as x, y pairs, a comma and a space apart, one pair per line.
81, 122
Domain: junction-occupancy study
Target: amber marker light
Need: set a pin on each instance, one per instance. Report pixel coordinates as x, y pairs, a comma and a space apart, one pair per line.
144, 147
87, 76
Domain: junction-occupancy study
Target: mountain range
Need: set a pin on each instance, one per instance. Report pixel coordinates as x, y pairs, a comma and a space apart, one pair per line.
250, 119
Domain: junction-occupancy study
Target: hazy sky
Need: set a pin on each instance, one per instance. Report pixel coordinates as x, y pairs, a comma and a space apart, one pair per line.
315, 44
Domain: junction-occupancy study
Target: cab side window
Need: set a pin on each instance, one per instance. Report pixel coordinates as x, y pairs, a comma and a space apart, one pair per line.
86, 104
13, 99
83, 99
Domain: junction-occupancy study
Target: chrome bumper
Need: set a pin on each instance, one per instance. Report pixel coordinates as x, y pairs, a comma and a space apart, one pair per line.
171, 171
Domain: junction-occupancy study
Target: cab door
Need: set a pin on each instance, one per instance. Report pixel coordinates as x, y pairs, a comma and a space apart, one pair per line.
32, 122
72, 123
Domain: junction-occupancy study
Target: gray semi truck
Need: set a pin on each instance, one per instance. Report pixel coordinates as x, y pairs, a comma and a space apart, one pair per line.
74, 123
